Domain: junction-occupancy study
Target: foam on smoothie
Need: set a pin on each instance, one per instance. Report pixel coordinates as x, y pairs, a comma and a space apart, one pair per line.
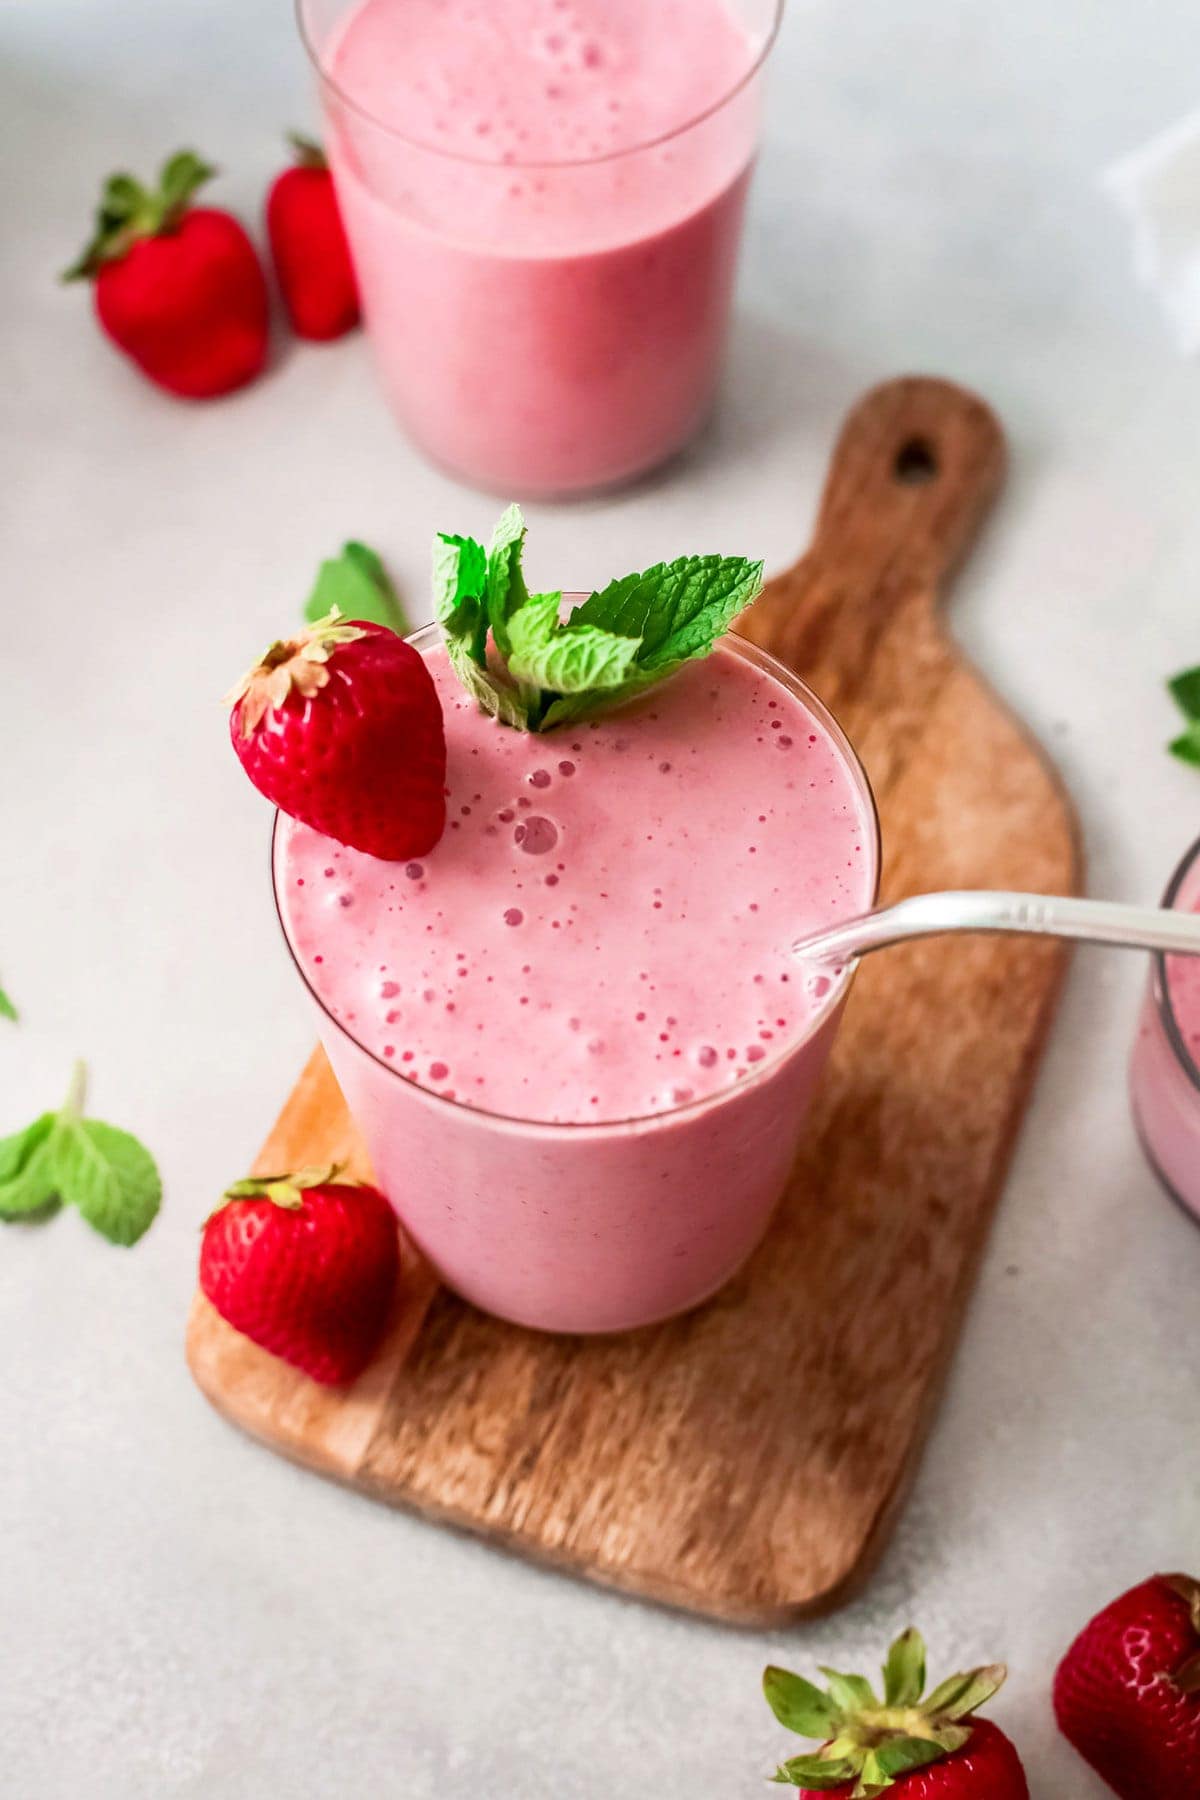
540, 80
603, 931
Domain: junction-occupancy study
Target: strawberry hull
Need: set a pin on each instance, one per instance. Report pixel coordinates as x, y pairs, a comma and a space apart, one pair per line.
988, 1768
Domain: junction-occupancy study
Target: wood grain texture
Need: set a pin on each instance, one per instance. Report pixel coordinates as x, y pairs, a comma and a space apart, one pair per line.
745, 1462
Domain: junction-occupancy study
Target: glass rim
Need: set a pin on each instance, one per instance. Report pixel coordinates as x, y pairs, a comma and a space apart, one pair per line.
839, 988
301, 8
1162, 983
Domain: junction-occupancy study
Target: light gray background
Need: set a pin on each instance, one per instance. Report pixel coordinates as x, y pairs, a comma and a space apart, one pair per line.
184, 1615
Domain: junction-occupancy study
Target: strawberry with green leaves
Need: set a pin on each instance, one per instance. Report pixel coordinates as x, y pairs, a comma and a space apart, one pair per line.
304, 1265
903, 1745
177, 287
1127, 1693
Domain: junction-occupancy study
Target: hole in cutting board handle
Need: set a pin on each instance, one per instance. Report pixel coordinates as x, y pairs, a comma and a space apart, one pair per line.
916, 463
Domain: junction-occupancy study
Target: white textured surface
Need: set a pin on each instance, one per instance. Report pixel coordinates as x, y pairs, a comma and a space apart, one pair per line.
183, 1614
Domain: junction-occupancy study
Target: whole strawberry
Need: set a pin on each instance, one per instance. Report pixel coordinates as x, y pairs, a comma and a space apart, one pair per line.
177, 287
1127, 1693
341, 727
309, 248
921, 1749
304, 1265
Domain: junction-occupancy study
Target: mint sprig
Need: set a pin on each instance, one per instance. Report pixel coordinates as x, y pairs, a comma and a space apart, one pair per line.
65, 1158
7, 1009
357, 583
532, 669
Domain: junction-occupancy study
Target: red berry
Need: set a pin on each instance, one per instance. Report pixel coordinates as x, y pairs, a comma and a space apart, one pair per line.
306, 1267
987, 1768
309, 248
341, 727
177, 288
1127, 1693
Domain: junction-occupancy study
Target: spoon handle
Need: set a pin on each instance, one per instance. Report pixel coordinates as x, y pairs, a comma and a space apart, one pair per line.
1036, 915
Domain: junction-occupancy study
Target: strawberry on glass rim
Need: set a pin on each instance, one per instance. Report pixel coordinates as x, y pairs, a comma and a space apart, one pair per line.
1127, 1693
903, 1745
340, 726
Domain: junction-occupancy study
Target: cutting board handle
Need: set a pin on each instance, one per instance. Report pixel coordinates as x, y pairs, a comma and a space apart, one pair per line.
915, 469
916, 466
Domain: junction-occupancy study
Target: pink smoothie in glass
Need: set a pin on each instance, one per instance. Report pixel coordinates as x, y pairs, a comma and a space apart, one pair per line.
544, 200
573, 1035
1165, 1073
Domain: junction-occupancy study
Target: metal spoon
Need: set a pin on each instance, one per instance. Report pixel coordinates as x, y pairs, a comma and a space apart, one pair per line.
1035, 915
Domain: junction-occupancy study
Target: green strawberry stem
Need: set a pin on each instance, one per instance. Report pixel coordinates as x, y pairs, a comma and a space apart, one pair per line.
308, 153
870, 1741
128, 211
284, 1191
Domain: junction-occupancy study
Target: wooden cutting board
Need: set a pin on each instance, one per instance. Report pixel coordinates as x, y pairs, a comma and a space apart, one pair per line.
747, 1461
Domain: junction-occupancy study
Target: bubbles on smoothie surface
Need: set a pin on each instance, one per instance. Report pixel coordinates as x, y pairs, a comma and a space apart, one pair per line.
598, 937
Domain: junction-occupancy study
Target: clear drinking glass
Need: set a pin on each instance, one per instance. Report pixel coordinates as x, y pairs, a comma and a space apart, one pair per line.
545, 328
587, 1228
1164, 1076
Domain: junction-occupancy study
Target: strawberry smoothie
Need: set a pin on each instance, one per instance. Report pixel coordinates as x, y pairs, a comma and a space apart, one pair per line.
573, 1036
544, 201
1165, 1074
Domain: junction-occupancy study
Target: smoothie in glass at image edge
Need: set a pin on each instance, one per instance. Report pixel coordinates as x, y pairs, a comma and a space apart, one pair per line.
544, 200
1165, 1071
573, 1035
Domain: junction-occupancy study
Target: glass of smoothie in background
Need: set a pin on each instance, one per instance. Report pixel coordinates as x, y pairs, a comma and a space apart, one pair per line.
574, 1037
544, 200
1165, 1072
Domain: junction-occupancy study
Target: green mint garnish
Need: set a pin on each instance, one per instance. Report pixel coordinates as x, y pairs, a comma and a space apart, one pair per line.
530, 668
7, 1009
357, 583
64, 1158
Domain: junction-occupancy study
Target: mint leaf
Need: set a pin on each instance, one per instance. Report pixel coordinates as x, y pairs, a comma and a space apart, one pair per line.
7, 1009
677, 609
460, 581
616, 643
1184, 689
357, 583
26, 1180
459, 584
573, 659
506, 590
533, 628
108, 1175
